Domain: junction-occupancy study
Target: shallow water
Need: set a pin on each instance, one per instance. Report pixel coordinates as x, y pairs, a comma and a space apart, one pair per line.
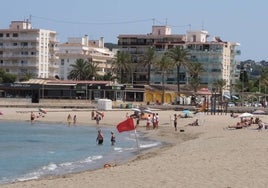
33, 151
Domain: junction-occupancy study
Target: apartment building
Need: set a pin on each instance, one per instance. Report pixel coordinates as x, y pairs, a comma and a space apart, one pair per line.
217, 56
28, 51
83, 48
136, 45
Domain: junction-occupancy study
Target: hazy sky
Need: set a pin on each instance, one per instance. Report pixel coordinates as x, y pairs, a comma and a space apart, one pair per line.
242, 21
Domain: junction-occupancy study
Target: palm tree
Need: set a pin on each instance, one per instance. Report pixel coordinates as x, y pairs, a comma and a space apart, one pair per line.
92, 70
194, 69
164, 63
263, 80
179, 56
78, 71
148, 59
122, 65
83, 70
27, 76
219, 85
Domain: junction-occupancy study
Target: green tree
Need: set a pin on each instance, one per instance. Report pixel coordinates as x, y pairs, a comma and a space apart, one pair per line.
179, 56
163, 64
108, 76
122, 66
78, 70
194, 69
243, 77
148, 59
6, 77
263, 79
27, 76
83, 70
92, 70
219, 85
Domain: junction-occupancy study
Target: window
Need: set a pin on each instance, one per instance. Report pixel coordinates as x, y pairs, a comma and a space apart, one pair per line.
1, 35
15, 44
24, 44
62, 61
7, 35
15, 34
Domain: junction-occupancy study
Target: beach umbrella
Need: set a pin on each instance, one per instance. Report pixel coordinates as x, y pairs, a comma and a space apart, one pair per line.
258, 112
148, 111
246, 114
186, 111
136, 109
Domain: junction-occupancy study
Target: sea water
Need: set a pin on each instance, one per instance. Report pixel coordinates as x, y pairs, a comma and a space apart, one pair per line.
30, 151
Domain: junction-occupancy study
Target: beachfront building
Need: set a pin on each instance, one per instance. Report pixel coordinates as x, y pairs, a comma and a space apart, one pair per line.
217, 56
83, 48
25, 50
137, 44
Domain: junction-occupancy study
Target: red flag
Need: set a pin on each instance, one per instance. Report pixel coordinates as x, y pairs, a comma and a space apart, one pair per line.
126, 125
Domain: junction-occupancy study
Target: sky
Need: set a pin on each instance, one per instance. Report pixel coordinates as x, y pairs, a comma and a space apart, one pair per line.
241, 21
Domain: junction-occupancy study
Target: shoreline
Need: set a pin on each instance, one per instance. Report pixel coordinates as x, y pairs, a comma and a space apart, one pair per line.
202, 156
144, 154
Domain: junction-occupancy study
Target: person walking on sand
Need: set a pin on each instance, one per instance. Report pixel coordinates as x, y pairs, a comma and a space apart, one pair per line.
99, 138
157, 120
69, 119
148, 122
175, 121
92, 115
98, 118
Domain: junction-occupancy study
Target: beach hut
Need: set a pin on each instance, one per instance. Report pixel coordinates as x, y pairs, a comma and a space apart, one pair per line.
104, 104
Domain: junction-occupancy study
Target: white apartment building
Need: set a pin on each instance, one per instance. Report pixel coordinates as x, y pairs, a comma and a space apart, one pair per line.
25, 50
83, 48
216, 56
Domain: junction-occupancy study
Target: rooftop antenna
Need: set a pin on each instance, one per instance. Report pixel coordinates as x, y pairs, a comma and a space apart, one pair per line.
202, 26
166, 22
153, 21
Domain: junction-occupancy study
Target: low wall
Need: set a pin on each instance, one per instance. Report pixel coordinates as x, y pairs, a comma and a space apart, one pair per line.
60, 103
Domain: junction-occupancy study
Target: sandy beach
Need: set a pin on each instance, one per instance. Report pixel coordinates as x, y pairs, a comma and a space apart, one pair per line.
208, 155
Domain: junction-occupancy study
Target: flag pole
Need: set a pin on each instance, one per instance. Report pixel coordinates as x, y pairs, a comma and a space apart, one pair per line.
137, 142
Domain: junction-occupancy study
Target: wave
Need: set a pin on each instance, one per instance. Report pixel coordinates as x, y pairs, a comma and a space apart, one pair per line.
59, 169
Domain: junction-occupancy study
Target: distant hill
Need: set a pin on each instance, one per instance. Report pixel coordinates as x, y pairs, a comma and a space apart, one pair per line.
110, 46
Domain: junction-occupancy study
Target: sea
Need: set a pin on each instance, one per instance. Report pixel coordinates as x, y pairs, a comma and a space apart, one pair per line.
31, 151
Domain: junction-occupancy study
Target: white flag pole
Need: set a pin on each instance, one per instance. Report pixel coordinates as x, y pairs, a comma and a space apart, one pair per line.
137, 142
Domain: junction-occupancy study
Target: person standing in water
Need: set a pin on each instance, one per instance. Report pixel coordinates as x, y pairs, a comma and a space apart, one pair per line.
69, 119
100, 137
32, 117
112, 138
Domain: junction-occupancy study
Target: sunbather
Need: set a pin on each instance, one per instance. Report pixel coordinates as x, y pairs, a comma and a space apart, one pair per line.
195, 123
239, 125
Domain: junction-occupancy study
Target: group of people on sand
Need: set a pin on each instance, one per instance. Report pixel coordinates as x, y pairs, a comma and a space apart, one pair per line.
175, 121
152, 119
100, 138
247, 122
97, 116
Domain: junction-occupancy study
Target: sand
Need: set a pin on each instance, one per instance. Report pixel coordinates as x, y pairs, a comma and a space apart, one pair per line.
208, 155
